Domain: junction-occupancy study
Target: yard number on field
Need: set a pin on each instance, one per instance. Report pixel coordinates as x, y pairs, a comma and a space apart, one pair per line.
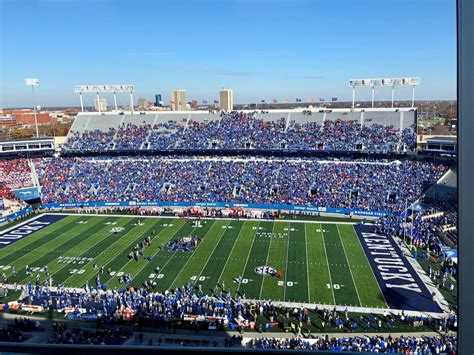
288, 283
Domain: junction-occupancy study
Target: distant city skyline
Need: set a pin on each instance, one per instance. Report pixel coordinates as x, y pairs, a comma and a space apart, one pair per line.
262, 49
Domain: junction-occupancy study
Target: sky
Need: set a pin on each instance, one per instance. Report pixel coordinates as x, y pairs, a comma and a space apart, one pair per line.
262, 49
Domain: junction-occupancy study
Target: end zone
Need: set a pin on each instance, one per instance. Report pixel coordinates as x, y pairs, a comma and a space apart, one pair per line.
400, 283
26, 228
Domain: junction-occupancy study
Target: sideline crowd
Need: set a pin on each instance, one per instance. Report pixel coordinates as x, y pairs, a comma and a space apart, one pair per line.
381, 186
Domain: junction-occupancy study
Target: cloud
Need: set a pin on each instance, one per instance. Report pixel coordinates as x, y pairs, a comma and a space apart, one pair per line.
210, 71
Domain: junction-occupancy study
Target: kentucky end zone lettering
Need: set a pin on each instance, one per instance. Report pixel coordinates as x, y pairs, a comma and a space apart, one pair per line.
389, 260
24, 230
401, 285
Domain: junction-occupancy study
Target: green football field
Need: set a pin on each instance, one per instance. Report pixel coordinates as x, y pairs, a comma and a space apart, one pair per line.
321, 263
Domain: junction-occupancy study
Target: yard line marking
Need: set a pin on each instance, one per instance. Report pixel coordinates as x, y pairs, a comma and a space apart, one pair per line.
349, 264
194, 251
223, 230
327, 263
248, 255
167, 261
175, 253
71, 237
286, 268
266, 261
81, 253
307, 262
116, 254
233, 246
145, 264
368, 263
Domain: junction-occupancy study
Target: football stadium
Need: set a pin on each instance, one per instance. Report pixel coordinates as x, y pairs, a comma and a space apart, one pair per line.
234, 176
235, 219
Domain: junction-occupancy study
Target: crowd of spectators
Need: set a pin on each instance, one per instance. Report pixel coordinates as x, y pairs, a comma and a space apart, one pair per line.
378, 343
63, 335
11, 333
345, 184
427, 228
241, 130
147, 307
14, 174
130, 136
91, 141
14, 331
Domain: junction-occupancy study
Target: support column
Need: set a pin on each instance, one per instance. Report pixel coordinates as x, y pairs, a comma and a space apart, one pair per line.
98, 102
131, 101
393, 94
115, 101
353, 96
82, 103
373, 95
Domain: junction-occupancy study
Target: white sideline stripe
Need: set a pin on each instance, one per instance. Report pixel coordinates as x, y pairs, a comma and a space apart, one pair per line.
25, 222
340, 308
209, 218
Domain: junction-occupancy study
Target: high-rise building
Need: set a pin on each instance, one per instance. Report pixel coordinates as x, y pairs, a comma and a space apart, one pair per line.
142, 104
226, 101
179, 100
100, 105
158, 102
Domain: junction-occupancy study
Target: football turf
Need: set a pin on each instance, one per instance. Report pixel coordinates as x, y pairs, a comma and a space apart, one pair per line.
321, 263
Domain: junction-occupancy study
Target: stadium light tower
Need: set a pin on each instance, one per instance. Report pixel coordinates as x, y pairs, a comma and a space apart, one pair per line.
97, 89
33, 83
391, 82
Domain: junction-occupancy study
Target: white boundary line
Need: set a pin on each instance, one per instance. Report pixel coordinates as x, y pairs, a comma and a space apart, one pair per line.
108, 260
349, 265
207, 218
230, 253
286, 267
167, 261
353, 309
248, 255
287, 304
66, 265
28, 220
213, 250
144, 265
370, 267
266, 261
307, 262
70, 237
192, 254
327, 262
